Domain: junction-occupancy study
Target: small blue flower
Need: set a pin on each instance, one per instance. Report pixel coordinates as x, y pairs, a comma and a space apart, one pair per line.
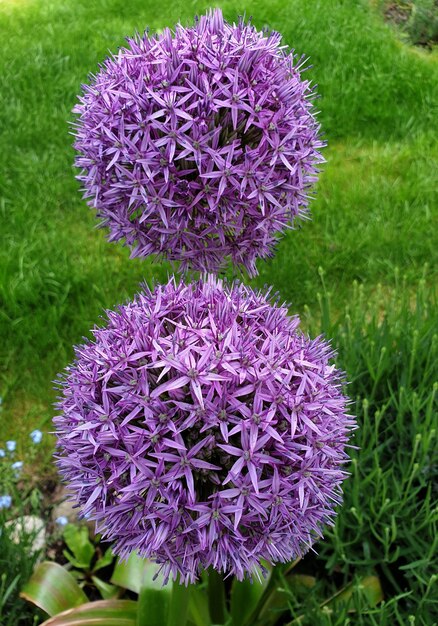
17, 465
2, 453
5, 502
11, 445
36, 436
61, 521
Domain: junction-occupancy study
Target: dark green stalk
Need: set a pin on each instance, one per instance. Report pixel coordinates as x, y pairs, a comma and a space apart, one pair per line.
216, 597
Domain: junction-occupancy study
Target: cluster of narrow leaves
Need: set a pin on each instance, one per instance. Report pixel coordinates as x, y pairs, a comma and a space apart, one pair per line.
202, 428
199, 145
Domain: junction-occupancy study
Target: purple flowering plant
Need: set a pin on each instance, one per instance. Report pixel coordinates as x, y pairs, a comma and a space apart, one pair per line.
200, 428
199, 145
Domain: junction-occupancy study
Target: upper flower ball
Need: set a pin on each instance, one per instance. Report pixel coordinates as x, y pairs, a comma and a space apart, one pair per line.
200, 144
202, 428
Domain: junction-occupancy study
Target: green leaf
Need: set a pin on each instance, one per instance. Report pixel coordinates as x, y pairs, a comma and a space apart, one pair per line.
140, 576
53, 589
298, 582
106, 590
106, 559
153, 606
71, 559
372, 590
154, 601
369, 586
4, 594
198, 607
158, 604
78, 575
245, 596
100, 613
136, 573
415, 564
129, 574
79, 544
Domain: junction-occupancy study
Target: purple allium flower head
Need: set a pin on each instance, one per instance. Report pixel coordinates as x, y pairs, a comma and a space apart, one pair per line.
199, 144
202, 428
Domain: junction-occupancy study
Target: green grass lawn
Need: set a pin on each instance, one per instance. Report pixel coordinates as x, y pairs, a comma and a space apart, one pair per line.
374, 221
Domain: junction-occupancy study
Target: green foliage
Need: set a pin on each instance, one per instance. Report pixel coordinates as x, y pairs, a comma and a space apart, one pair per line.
80, 551
16, 564
384, 543
99, 613
57, 593
158, 604
388, 346
87, 558
53, 589
417, 20
18, 490
422, 26
136, 574
17, 551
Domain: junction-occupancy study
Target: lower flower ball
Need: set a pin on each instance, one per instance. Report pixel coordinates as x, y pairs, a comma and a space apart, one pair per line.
201, 428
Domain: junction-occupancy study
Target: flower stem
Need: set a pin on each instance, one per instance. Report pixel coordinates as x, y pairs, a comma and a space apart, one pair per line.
179, 605
216, 597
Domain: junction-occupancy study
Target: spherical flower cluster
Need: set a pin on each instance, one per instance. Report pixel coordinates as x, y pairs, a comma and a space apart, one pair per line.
202, 428
199, 145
